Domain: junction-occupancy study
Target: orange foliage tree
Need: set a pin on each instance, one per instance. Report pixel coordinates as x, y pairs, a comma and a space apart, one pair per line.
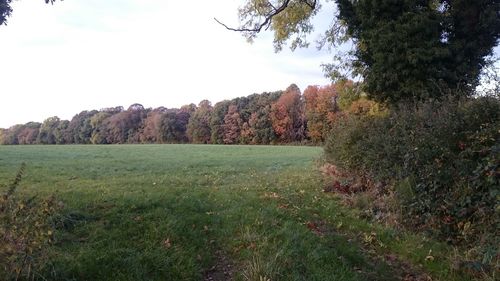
287, 116
320, 110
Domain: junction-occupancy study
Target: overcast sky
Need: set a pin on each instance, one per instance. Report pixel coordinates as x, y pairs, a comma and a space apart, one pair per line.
89, 54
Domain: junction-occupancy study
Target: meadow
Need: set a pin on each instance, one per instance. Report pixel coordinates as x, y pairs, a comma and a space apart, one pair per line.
208, 212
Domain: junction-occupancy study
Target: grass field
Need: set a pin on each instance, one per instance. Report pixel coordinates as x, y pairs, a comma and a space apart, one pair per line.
193, 212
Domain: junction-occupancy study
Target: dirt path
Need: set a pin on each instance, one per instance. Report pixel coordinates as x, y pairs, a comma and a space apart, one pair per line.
221, 271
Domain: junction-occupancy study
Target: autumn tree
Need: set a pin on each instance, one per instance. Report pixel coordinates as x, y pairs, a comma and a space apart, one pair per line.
28, 133
219, 111
231, 128
255, 119
404, 50
287, 116
115, 128
20, 134
136, 113
152, 126
257, 126
124, 126
198, 128
10, 135
320, 108
314, 125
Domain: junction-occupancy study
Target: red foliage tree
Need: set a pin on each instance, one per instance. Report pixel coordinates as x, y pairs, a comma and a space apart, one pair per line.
287, 116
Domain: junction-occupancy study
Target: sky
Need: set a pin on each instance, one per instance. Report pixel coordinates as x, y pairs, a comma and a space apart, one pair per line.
75, 55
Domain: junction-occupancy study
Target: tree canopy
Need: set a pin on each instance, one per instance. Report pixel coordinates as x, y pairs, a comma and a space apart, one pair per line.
5, 10
269, 118
404, 49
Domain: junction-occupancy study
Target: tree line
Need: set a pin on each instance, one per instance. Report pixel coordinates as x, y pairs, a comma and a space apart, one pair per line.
280, 117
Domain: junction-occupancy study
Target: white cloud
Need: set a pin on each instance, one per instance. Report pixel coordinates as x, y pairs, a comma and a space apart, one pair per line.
90, 54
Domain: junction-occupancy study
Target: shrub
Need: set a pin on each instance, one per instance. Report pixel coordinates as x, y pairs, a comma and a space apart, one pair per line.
442, 159
25, 232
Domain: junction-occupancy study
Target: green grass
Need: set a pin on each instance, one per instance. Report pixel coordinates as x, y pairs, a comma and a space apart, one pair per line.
169, 212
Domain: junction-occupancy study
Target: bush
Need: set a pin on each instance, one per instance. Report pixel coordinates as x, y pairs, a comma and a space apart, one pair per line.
25, 233
442, 159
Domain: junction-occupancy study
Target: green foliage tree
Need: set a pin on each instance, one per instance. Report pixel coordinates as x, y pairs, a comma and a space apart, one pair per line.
47, 134
98, 128
219, 111
5, 10
404, 50
173, 126
259, 122
198, 128
60, 132
79, 129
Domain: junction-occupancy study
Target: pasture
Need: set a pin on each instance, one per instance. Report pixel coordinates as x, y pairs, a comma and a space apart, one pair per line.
205, 212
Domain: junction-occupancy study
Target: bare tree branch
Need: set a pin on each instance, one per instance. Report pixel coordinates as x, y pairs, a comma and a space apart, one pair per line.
268, 18
311, 5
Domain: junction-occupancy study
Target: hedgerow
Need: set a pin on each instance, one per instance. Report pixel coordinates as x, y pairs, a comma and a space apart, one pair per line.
440, 158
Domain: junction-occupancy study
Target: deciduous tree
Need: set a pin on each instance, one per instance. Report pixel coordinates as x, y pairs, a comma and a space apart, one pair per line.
287, 116
28, 133
404, 50
47, 134
173, 126
198, 128
151, 131
231, 128
219, 111
79, 128
320, 108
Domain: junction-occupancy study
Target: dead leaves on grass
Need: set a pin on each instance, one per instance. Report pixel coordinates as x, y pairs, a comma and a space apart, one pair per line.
167, 243
271, 195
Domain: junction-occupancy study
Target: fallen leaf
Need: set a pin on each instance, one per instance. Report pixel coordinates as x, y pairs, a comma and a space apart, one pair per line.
429, 256
167, 244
